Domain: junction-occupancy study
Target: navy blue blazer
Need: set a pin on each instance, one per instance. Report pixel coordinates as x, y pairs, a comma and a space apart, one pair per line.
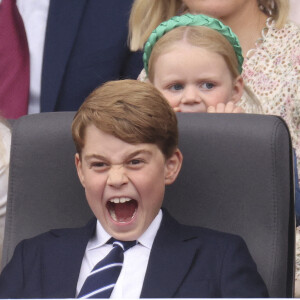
185, 262
85, 46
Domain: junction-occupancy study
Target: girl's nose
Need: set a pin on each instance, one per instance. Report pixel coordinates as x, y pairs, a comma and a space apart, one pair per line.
190, 96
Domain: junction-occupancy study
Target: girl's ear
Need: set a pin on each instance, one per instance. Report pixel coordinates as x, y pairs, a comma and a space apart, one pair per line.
173, 166
237, 89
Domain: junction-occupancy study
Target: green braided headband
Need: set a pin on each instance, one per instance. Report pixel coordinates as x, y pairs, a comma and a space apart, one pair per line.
192, 20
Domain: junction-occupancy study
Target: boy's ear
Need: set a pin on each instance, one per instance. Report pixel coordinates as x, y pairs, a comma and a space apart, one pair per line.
173, 166
237, 89
78, 165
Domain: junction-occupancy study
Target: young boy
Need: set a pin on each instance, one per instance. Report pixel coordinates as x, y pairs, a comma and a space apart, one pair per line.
126, 138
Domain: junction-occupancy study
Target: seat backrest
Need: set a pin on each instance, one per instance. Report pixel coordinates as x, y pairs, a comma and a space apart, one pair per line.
237, 177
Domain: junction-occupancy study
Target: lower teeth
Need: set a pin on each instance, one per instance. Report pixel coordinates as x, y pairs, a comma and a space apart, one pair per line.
114, 217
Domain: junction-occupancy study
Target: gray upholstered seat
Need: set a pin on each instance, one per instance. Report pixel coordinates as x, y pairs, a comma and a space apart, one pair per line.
236, 177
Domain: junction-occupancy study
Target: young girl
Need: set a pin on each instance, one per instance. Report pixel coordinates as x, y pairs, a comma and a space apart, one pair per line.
270, 43
196, 61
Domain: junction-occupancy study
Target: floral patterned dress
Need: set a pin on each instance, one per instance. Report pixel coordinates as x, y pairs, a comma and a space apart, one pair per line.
272, 72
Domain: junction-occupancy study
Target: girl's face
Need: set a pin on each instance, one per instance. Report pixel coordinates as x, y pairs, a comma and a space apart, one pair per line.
193, 79
220, 9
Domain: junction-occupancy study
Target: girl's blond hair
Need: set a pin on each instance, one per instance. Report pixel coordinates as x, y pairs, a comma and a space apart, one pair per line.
199, 36
146, 15
277, 9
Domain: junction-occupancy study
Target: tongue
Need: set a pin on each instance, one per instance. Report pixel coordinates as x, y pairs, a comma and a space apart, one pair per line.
124, 211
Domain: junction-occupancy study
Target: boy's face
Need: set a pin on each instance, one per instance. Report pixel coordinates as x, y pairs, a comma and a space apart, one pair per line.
193, 79
124, 183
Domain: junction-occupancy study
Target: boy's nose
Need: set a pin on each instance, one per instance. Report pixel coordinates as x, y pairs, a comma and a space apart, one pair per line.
117, 176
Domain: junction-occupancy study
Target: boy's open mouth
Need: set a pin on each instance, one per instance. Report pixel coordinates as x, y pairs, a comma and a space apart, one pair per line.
122, 209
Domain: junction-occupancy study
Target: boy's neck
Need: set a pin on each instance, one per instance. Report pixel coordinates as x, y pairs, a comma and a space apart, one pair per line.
248, 26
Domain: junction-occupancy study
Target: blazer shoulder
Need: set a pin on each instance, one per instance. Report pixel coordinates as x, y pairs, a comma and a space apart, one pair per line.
203, 234
211, 234
55, 237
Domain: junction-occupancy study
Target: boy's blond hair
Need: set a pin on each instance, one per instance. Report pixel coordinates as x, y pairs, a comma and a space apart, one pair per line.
133, 111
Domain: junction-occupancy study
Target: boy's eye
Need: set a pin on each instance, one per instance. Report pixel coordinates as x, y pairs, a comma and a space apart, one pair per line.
176, 87
135, 162
207, 85
98, 164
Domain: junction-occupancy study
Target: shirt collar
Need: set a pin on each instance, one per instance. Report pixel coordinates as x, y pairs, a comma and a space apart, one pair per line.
147, 238
101, 237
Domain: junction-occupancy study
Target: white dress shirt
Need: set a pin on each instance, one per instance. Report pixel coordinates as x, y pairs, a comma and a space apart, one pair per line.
130, 281
35, 14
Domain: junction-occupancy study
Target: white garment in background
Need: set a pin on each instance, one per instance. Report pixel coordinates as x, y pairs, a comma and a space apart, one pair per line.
35, 14
5, 139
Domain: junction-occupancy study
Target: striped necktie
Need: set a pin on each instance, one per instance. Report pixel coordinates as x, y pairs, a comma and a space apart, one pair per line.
14, 62
102, 279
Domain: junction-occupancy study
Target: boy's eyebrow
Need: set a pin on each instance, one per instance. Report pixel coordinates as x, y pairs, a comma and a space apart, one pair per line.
133, 154
91, 156
142, 151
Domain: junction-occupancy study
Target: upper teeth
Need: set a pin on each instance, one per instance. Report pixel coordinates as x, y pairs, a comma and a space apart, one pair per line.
120, 200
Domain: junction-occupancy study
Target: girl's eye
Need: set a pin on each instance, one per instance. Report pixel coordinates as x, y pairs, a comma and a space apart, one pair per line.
207, 85
176, 87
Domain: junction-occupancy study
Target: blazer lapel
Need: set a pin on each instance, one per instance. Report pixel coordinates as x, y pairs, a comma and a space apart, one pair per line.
62, 27
170, 259
69, 261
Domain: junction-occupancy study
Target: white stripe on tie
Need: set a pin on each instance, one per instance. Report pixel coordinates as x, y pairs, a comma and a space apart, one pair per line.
98, 291
106, 267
